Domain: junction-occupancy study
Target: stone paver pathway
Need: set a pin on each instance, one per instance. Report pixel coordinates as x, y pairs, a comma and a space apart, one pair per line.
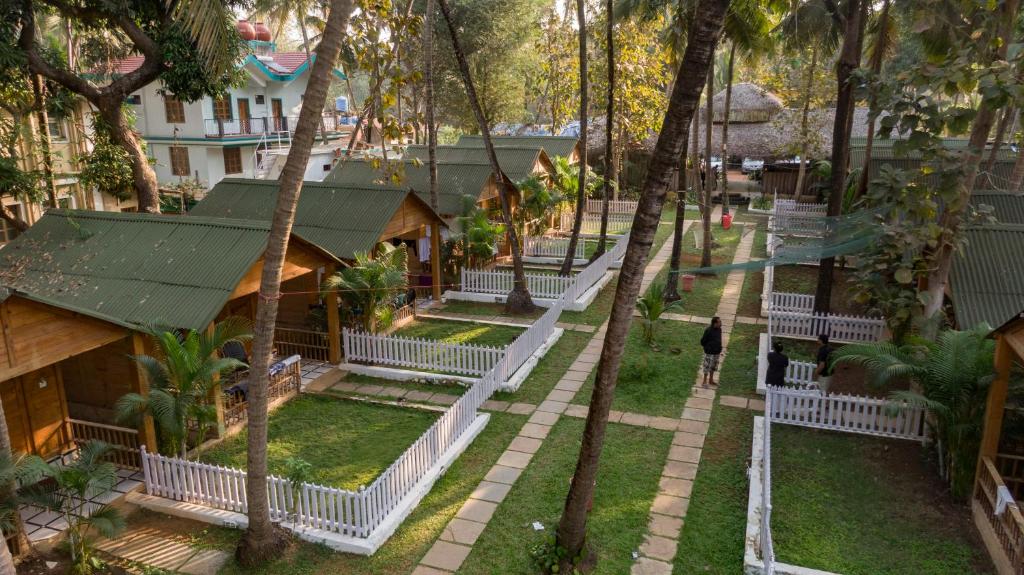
668, 512
456, 541
152, 547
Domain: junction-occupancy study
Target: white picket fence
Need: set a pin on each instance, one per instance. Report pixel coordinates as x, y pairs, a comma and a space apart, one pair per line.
617, 223
594, 206
780, 206
419, 353
841, 412
840, 328
782, 301
544, 246
765, 540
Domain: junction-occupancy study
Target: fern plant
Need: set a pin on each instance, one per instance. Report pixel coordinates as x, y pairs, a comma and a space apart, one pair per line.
952, 376
651, 305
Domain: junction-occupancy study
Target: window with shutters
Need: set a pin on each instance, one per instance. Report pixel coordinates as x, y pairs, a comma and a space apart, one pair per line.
179, 161
222, 108
232, 160
174, 110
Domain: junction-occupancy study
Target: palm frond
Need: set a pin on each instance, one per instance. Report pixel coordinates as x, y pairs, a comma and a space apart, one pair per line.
210, 23
107, 521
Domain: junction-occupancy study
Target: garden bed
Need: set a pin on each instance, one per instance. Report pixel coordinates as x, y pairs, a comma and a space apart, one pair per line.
860, 505
655, 382
348, 443
626, 485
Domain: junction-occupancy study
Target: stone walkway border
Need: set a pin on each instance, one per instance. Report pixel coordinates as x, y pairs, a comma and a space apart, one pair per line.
456, 541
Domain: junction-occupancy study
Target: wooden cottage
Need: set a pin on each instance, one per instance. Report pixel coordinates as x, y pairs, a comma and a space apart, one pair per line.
518, 162
567, 147
79, 286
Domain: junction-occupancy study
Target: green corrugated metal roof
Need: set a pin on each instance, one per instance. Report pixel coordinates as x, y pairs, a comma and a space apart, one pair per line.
890, 153
454, 181
987, 280
861, 141
1008, 208
341, 220
552, 145
133, 269
517, 162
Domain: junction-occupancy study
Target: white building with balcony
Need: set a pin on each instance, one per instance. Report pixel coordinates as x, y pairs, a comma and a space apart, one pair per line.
244, 134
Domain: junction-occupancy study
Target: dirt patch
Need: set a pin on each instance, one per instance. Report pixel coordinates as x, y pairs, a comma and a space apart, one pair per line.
54, 563
804, 280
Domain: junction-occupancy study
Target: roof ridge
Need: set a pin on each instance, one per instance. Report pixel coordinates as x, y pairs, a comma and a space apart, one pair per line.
158, 218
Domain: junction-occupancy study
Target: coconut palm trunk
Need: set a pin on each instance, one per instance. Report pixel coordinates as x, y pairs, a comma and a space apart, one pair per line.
849, 59
309, 59
876, 68
725, 128
703, 36
518, 301
801, 173
672, 283
428, 89
581, 190
261, 540
705, 256
609, 129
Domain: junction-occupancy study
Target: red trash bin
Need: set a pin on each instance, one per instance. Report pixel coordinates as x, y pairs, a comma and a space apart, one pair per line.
688, 281
726, 221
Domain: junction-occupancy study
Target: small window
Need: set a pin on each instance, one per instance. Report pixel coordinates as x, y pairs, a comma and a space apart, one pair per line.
134, 100
56, 128
66, 203
130, 210
174, 110
232, 160
260, 99
179, 161
222, 108
7, 231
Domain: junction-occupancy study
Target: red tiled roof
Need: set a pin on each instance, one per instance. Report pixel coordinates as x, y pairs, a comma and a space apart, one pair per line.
289, 60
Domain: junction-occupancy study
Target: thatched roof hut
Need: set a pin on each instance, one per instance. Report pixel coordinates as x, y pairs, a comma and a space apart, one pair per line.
750, 103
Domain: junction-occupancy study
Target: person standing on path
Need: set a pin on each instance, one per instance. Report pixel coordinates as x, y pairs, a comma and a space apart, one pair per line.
824, 369
777, 364
711, 342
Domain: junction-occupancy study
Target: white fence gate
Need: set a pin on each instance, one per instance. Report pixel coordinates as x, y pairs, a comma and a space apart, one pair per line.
595, 206
840, 328
840, 412
544, 246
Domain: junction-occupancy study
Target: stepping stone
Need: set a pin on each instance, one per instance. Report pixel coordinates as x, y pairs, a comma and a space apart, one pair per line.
685, 454
688, 439
345, 386
733, 401
637, 419
393, 392
521, 408
559, 395
692, 426
699, 391
680, 470
648, 566
525, 444
502, 474
575, 376
569, 385
444, 555
675, 487
665, 526
369, 389
756, 404
418, 396
495, 405
535, 430
444, 398
657, 547
695, 414
462, 531
516, 459
543, 418
489, 491
475, 510
615, 416
552, 406
585, 328
669, 505
664, 423
424, 570
700, 403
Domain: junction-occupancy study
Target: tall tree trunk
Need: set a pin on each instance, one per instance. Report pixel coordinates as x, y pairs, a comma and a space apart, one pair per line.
703, 35
519, 300
877, 56
609, 129
581, 190
42, 118
952, 216
672, 282
1017, 177
309, 59
849, 59
428, 86
804, 128
262, 541
725, 129
146, 186
705, 256
1004, 123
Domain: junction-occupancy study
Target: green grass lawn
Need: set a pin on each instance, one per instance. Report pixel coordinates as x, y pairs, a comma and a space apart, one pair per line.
655, 382
549, 369
626, 485
348, 443
453, 389
738, 375
750, 294
590, 247
707, 290
487, 310
863, 506
712, 538
461, 332
804, 279
414, 537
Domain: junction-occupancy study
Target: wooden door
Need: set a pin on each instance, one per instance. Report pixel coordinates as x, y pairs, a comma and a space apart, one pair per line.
277, 113
17, 419
47, 410
243, 116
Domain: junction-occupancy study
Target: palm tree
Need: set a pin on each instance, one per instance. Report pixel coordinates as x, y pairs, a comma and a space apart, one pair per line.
708, 243
181, 377
479, 236
23, 469
371, 284
581, 182
609, 127
651, 305
518, 301
702, 38
261, 540
72, 487
953, 373
428, 93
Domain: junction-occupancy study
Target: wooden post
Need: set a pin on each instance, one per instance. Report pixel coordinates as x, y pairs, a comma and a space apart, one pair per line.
435, 261
216, 394
333, 321
147, 431
996, 403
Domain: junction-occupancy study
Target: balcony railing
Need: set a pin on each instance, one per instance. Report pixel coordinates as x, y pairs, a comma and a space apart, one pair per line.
1003, 517
240, 128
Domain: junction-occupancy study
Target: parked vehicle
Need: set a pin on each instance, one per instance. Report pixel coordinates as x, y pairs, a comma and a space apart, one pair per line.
751, 165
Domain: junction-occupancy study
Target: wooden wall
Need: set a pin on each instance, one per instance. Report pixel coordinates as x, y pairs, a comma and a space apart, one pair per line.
412, 215
95, 380
35, 411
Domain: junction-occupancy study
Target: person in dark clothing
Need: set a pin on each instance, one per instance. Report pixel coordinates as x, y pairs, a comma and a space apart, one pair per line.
777, 364
824, 369
711, 342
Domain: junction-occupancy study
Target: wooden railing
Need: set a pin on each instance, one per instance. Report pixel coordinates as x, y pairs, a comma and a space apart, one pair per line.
1003, 515
309, 344
124, 441
282, 383
1011, 469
